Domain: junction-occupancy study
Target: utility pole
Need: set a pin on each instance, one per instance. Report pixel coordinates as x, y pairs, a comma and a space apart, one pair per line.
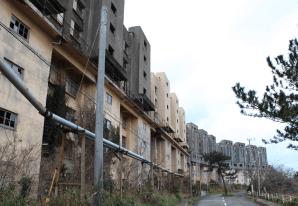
250, 139
259, 182
98, 154
190, 174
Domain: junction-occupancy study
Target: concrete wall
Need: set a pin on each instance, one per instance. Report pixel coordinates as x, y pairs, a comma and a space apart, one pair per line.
29, 124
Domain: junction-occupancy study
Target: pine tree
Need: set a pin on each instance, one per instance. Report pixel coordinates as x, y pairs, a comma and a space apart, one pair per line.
279, 102
219, 160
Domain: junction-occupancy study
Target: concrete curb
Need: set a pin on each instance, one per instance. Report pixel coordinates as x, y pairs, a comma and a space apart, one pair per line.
265, 202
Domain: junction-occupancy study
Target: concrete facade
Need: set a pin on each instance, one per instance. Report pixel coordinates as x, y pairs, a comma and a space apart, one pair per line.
244, 159
56, 52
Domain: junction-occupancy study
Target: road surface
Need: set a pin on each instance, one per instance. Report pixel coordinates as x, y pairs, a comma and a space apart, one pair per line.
218, 200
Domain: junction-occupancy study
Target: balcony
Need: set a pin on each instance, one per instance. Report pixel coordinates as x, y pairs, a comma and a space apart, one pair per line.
183, 145
112, 68
49, 7
178, 138
162, 123
146, 102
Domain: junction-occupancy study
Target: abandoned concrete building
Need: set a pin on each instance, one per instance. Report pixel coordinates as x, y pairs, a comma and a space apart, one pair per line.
55, 42
243, 158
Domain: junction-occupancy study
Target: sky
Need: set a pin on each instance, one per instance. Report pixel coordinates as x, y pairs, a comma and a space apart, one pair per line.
206, 47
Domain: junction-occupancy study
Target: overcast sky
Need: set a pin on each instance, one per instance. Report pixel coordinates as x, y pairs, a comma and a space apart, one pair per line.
205, 47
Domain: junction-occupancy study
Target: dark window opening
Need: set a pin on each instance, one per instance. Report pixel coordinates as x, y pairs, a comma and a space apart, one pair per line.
80, 8
20, 28
125, 47
123, 141
144, 91
155, 89
145, 44
145, 75
111, 50
124, 122
145, 59
113, 8
7, 118
112, 29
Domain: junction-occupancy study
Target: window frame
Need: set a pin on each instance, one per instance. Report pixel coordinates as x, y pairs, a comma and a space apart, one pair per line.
107, 98
4, 119
17, 32
11, 64
108, 124
71, 86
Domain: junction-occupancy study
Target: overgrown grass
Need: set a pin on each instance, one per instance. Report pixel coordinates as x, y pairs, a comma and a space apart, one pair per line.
294, 202
11, 197
190, 202
229, 194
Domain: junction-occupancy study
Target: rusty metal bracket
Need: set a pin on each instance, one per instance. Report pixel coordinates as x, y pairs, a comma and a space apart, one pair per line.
117, 156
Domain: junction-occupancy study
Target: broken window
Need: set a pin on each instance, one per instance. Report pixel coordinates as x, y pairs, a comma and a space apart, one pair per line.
145, 75
7, 118
18, 70
20, 28
145, 59
145, 44
144, 91
108, 98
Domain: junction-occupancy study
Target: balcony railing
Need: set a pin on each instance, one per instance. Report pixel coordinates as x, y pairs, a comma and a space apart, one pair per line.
49, 7
148, 105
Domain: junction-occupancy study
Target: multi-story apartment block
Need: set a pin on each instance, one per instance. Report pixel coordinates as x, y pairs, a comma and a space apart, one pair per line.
48, 43
243, 158
170, 154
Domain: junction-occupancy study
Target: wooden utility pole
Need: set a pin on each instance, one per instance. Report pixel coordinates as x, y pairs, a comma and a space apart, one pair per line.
120, 174
60, 162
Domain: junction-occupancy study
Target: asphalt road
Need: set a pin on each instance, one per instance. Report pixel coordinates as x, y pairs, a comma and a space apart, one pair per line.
218, 200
